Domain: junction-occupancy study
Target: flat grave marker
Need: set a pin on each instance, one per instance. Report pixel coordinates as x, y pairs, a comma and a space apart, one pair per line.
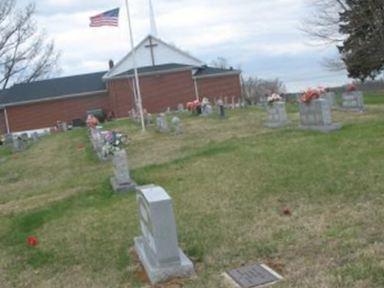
252, 276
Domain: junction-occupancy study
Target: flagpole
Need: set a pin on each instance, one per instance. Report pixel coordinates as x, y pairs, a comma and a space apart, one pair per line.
135, 69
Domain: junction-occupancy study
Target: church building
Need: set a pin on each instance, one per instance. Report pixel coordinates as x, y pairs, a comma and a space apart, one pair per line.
167, 75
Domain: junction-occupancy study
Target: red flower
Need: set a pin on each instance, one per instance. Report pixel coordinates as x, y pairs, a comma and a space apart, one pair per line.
309, 95
32, 241
287, 212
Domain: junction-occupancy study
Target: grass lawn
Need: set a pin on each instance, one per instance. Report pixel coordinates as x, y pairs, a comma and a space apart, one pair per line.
229, 180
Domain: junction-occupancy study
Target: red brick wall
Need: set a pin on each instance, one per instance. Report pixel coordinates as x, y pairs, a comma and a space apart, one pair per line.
45, 114
3, 128
121, 96
158, 92
219, 87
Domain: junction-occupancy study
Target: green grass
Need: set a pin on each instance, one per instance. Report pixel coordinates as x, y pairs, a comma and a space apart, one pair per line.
229, 180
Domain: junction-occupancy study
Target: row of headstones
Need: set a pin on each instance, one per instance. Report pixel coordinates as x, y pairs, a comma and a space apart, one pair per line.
315, 115
20, 142
157, 247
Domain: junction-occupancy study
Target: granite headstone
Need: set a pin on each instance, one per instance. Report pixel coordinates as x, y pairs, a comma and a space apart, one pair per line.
277, 115
316, 115
353, 101
158, 248
121, 181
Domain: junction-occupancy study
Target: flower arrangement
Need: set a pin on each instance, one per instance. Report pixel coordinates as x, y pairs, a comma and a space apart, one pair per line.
351, 87
309, 95
274, 98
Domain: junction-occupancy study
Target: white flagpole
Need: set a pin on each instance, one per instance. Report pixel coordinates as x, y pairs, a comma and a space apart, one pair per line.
152, 20
135, 69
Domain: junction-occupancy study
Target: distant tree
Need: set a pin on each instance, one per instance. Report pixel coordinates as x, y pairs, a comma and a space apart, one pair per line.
25, 55
254, 89
356, 27
363, 49
220, 62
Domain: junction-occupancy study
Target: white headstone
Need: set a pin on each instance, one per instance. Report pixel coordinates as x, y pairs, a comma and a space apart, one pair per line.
158, 248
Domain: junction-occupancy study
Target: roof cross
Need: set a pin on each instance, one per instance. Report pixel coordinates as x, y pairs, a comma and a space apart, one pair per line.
151, 46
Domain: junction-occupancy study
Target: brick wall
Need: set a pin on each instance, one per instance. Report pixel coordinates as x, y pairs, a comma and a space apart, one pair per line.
3, 128
219, 87
45, 114
121, 96
158, 92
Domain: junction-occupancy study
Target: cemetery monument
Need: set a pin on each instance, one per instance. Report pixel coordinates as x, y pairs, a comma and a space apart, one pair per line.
121, 181
158, 248
277, 115
315, 113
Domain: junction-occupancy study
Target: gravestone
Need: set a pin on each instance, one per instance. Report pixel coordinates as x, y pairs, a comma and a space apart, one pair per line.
253, 276
8, 140
180, 107
18, 144
176, 125
330, 97
206, 110
98, 142
316, 115
158, 248
277, 115
121, 181
35, 136
221, 108
161, 123
353, 101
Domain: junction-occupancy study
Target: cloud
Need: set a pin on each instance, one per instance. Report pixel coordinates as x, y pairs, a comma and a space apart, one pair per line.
261, 36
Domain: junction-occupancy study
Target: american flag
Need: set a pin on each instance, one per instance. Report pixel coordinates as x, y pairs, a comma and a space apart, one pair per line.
109, 18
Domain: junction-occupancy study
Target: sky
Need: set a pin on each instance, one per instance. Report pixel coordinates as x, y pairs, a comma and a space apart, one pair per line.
262, 37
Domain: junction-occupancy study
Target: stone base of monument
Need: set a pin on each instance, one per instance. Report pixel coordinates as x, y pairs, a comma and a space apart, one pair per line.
316, 116
352, 101
158, 272
122, 187
277, 115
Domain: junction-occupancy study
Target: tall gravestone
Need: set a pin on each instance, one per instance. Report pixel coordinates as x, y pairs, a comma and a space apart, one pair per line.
277, 115
353, 101
161, 123
316, 115
98, 142
121, 181
158, 248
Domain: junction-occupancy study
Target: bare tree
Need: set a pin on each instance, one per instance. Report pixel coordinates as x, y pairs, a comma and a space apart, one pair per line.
322, 26
220, 62
25, 55
323, 22
255, 89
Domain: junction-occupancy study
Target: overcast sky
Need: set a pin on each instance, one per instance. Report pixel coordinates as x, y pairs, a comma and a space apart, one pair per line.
260, 36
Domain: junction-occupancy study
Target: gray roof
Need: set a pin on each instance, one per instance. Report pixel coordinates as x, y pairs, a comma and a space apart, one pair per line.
201, 71
208, 71
153, 69
52, 88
